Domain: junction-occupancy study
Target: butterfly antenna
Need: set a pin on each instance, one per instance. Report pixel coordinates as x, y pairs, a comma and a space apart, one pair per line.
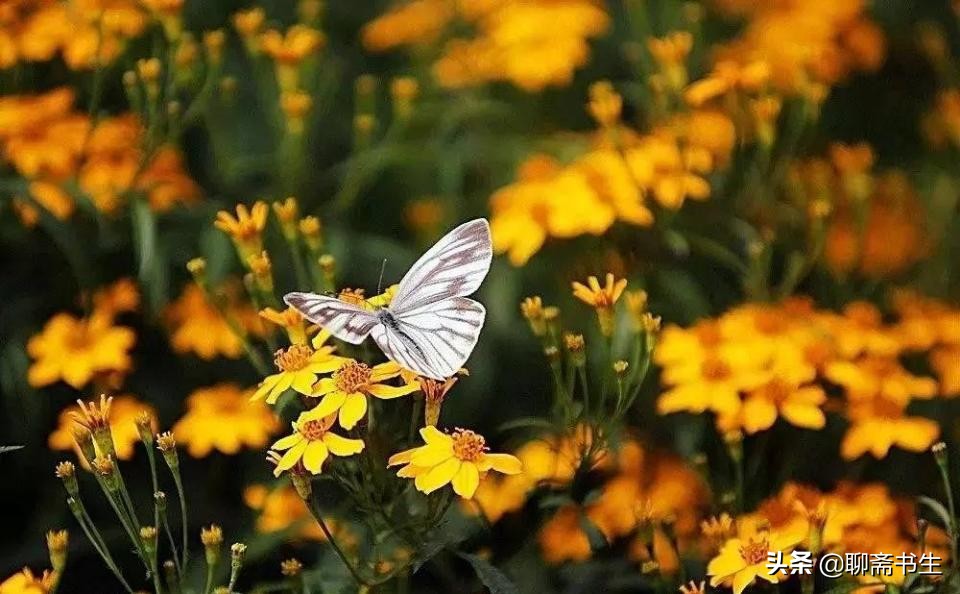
380, 282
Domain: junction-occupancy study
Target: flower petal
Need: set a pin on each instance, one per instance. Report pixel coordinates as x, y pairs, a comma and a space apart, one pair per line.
439, 475
314, 456
290, 458
504, 463
323, 387
331, 403
285, 443
341, 446
466, 480
354, 408
432, 454
387, 392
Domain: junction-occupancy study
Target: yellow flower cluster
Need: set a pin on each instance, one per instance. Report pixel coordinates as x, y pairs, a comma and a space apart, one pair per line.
510, 42
761, 362
852, 518
614, 181
874, 221
199, 327
222, 418
80, 350
49, 143
805, 44
86, 33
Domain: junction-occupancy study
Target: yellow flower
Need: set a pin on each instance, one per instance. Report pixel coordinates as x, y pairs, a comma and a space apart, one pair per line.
346, 390
457, 459
120, 297
222, 418
282, 509
123, 411
299, 366
879, 424
600, 297
562, 537
246, 228
291, 47
743, 559
874, 377
712, 381
199, 327
420, 21
25, 582
76, 350
288, 319
311, 442
787, 394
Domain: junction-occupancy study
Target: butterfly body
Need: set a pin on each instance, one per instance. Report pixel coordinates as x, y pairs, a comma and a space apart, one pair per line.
430, 326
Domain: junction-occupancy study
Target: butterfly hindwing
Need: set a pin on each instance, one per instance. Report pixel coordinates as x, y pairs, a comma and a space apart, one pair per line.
454, 267
345, 321
436, 340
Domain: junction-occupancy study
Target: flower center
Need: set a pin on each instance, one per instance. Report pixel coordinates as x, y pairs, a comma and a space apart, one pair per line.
715, 369
352, 377
294, 358
313, 429
467, 445
353, 297
755, 551
778, 391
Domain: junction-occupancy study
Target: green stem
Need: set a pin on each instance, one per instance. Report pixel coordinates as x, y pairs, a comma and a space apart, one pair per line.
208, 582
945, 476
314, 507
183, 518
99, 545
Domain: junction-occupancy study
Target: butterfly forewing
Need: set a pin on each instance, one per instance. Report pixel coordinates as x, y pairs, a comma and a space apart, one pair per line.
344, 320
454, 267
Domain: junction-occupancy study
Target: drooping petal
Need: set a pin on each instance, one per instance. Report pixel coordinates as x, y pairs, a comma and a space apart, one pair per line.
439, 475
466, 480
384, 371
386, 392
504, 463
314, 456
283, 382
354, 408
341, 446
291, 457
401, 457
265, 387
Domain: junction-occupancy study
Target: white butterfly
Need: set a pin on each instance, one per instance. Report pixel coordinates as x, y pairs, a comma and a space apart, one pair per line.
430, 326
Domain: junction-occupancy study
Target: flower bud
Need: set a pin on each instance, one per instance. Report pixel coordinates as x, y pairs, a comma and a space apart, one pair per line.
57, 541
67, 473
212, 539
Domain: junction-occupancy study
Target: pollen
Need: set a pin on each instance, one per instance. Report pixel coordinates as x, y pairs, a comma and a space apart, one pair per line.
313, 429
755, 551
468, 446
353, 377
294, 358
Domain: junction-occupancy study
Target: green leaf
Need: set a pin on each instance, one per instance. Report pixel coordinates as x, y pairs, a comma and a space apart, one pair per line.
526, 423
938, 509
428, 552
495, 580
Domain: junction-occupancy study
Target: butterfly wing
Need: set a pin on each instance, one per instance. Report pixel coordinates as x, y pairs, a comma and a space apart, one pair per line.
454, 267
435, 340
344, 320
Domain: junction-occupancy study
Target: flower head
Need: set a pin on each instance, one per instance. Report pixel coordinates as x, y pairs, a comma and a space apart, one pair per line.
290, 320
458, 459
246, 228
346, 390
223, 418
312, 442
602, 298
743, 559
298, 365
76, 350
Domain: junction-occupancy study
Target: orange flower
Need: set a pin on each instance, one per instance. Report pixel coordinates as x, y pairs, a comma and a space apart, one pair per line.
75, 350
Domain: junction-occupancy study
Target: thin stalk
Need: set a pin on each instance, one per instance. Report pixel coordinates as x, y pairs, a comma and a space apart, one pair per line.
93, 535
314, 508
945, 476
183, 518
208, 582
582, 374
